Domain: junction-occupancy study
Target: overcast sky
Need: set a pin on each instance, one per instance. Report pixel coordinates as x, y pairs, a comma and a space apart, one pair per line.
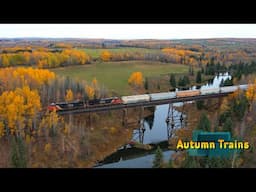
129, 31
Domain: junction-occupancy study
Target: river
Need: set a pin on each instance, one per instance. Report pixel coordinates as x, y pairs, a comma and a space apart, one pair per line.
154, 130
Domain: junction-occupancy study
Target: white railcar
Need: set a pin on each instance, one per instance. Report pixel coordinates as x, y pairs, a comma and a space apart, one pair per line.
160, 96
135, 98
228, 89
206, 91
243, 87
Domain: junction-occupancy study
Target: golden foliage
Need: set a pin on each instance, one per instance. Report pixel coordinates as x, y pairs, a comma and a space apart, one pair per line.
105, 56
43, 58
47, 147
69, 95
21, 76
27, 139
76, 56
94, 83
2, 131
63, 45
224, 105
18, 106
5, 60
251, 92
90, 91
136, 79
179, 52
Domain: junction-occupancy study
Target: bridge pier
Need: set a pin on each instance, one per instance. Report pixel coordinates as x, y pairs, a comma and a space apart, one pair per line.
174, 121
125, 117
141, 116
220, 100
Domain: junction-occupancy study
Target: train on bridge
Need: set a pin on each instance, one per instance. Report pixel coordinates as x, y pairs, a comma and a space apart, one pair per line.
64, 106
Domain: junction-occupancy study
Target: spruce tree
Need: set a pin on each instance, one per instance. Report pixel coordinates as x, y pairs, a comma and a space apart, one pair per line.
172, 81
204, 123
18, 153
198, 77
158, 160
228, 125
146, 84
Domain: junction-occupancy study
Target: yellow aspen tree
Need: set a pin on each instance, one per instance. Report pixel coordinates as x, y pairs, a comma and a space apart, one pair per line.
95, 87
95, 83
251, 93
105, 56
136, 79
69, 95
2, 131
5, 60
90, 91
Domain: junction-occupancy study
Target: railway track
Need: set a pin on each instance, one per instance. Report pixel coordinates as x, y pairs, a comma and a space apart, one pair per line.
142, 104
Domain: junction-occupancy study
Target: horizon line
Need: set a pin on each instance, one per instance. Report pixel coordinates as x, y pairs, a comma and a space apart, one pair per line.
31, 37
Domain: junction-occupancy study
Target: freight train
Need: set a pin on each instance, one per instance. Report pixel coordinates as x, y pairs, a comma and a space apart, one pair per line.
142, 98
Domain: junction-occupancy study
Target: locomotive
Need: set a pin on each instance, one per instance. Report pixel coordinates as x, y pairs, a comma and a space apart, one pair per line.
142, 98
60, 106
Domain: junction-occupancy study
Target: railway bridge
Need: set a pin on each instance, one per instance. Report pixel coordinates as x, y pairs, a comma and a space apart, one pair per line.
170, 120
142, 104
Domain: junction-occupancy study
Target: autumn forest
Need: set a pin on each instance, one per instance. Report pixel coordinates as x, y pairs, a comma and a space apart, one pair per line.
35, 72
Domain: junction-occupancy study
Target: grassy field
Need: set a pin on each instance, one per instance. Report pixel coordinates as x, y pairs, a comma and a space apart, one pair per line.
95, 53
114, 75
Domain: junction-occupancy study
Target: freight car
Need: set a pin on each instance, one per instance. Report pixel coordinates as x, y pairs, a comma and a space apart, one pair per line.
161, 96
243, 87
135, 98
209, 91
228, 89
142, 98
187, 93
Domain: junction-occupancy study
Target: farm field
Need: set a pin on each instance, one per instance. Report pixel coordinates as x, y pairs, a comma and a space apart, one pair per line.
114, 75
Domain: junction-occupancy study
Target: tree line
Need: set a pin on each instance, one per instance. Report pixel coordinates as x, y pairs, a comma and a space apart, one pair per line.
44, 58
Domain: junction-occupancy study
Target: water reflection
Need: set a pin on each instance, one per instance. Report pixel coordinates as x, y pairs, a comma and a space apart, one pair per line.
215, 83
140, 162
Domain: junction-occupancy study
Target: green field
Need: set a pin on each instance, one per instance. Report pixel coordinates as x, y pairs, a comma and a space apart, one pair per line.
114, 75
95, 53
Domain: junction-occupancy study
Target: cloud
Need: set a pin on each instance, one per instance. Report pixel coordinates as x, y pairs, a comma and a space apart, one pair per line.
129, 31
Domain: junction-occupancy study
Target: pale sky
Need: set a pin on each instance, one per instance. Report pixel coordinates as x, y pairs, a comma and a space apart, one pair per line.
129, 31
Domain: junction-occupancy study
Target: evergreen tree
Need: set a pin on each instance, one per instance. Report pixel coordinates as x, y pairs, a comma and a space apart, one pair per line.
150, 120
228, 125
222, 83
186, 80
181, 82
200, 104
158, 160
146, 84
204, 123
202, 70
172, 81
227, 82
198, 77
18, 153
191, 70
158, 86
190, 162
239, 107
